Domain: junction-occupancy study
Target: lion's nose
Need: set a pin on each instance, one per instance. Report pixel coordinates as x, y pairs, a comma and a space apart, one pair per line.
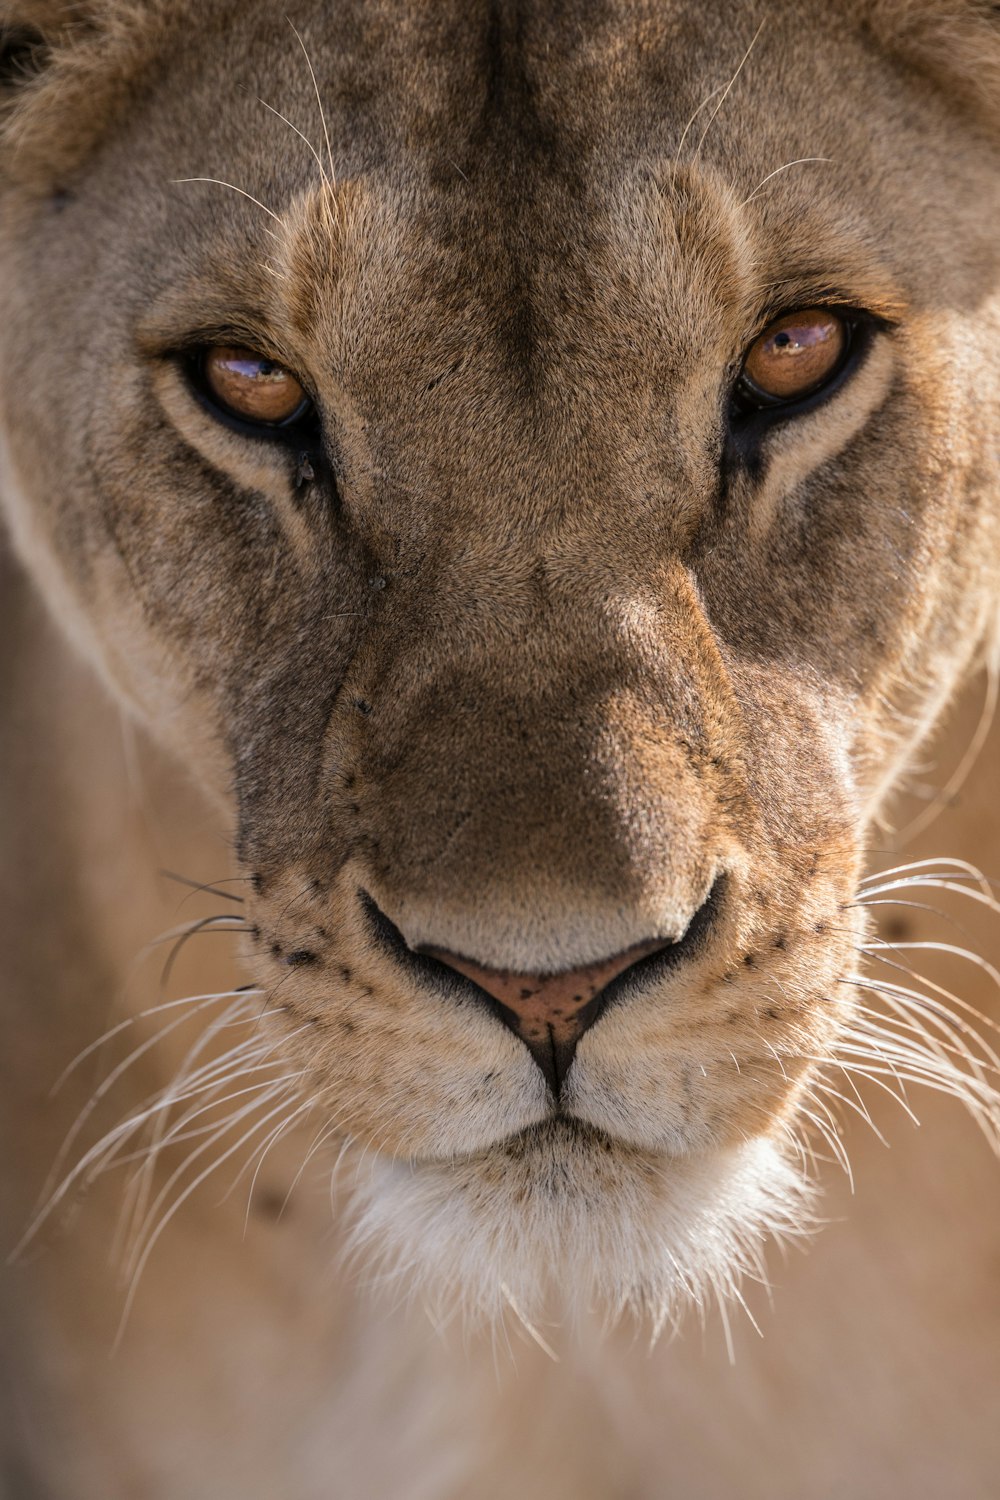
550, 1012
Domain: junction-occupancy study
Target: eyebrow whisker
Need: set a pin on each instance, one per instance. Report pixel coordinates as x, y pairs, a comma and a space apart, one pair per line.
218, 182
728, 88
798, 162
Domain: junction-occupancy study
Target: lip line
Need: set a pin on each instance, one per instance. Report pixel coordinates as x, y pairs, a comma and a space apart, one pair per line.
581, 1131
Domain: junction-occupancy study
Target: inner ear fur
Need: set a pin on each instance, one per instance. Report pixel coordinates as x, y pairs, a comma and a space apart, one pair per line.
24, 52
31, 32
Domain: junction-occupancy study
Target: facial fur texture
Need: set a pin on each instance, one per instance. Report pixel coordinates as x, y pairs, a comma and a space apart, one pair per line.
531, 654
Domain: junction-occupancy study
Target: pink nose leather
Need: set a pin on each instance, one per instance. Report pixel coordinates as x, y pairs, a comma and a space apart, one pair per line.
549, 1009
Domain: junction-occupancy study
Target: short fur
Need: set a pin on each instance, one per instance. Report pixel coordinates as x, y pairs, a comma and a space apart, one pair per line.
530, 654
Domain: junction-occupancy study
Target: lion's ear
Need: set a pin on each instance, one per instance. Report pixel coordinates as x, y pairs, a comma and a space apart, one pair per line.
24, 51
31, 30
66, 68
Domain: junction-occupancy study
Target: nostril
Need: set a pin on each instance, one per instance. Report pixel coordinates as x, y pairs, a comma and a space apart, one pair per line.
549, 1012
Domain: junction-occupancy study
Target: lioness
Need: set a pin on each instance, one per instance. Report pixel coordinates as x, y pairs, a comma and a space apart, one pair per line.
534, 467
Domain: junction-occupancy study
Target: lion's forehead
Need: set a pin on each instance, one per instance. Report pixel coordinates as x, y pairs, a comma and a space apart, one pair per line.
510, 87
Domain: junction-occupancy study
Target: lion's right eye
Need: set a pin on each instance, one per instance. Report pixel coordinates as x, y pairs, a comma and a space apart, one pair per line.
252, 388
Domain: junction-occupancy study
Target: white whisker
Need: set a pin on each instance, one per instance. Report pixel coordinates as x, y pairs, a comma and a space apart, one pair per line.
218, 182
302, 137
319, 103
152, 1237
728, 89
959, 776
798, 162
693, 116
908, 946
151, 1010
945, 867
108, 1084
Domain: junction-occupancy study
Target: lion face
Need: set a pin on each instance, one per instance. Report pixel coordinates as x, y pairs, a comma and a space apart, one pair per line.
549, 666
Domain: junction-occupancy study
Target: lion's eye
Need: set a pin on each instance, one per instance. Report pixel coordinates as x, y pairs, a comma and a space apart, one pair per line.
795, 357
252, 387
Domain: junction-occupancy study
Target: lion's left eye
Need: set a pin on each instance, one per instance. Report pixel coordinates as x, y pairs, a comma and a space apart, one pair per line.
795, 357
253, 388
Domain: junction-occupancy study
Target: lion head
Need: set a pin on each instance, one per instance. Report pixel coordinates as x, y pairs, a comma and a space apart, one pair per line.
537, 466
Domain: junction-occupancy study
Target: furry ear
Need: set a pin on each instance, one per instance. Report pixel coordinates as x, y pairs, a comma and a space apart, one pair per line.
30, 33
68, 68
24, 52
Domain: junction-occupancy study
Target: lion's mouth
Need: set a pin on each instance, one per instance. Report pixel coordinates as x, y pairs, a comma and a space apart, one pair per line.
540, 1143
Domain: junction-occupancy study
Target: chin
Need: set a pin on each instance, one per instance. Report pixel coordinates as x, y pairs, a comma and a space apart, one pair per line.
561, 1222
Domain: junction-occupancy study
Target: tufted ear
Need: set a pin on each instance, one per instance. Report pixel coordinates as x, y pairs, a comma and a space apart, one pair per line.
955, 43
67, 70
30, 30
31, 33
24, 52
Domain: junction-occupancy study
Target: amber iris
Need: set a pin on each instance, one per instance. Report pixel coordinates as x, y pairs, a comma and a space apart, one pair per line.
797, 354
252, 386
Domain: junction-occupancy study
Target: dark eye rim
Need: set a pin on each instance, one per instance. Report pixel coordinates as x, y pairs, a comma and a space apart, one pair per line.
301, 429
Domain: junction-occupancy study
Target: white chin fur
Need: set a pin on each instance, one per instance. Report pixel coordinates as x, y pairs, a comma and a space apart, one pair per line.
559, 1222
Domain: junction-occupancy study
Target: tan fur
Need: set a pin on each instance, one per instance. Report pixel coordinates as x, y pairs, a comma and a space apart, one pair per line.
536, 665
